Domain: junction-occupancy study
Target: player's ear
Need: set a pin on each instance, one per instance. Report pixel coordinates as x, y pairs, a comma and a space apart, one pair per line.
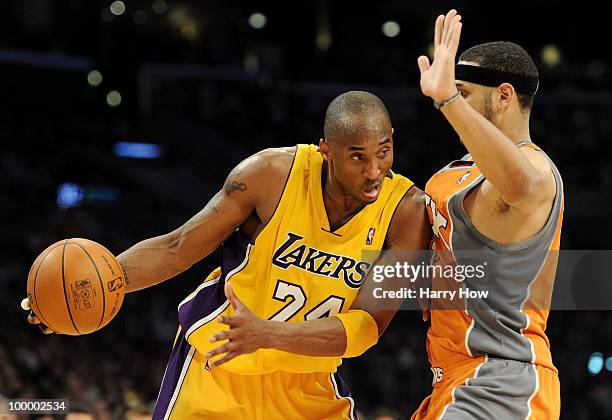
392, 130
506, 94
324, 149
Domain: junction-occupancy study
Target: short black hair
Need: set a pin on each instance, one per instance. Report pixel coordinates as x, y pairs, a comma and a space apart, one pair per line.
504, 56
345, 110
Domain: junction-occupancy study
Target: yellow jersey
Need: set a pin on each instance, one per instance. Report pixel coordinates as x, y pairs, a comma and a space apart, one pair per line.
297, 269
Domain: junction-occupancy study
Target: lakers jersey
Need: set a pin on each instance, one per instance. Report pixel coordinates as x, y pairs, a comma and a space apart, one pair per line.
510, 321
297, 268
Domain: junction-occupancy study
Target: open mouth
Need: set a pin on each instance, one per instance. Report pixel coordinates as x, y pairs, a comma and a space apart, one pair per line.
371, 192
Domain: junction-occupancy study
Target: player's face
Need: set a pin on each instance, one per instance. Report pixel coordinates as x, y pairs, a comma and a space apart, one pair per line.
360, 162
478, 97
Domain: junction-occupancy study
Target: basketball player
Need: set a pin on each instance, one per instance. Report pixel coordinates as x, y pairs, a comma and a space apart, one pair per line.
492, 359
300, 227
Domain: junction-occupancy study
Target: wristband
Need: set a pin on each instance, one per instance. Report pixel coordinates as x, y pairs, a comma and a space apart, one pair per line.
440, 104
361, 331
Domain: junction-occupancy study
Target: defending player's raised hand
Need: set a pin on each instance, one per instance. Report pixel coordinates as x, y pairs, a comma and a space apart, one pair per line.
32, 319
247, 332
438, 78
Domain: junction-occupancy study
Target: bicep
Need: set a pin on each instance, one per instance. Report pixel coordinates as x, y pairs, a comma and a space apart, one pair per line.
540, 189
227, 210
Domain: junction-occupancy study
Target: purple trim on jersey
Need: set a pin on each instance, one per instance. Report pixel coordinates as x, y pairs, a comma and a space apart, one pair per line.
171, 377
343, 389
345, 392
208, 299
233, 252
201, 305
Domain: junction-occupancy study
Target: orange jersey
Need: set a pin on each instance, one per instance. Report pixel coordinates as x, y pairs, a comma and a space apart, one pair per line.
510, 321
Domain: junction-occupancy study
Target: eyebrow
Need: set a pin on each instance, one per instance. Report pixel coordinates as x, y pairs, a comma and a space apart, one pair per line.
355, 147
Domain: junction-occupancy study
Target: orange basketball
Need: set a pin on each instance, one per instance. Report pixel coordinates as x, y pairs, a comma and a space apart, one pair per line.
76, 286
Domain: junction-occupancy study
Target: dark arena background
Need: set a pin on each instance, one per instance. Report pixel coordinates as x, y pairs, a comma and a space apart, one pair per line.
119, 120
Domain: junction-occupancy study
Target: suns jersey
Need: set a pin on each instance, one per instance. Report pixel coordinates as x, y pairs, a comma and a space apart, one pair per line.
511, 321
297, 269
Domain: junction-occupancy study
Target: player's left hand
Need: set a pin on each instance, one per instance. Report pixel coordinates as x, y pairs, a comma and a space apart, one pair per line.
247, 332
33, 319
438, 78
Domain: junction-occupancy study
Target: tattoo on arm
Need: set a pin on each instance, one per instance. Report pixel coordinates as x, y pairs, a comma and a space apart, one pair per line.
231, 185
235, 186
123, 268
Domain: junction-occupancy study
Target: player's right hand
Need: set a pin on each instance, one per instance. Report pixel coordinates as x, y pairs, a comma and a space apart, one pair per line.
438, 77
32, 319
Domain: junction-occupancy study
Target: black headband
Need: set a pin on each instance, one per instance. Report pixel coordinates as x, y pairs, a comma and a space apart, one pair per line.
526, 85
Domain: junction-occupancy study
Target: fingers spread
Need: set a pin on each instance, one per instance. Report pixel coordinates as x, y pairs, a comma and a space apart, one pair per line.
224, 359
217, 350
447, 24
224, 319
452, 29
454, 42
423, 63
439, 29
221, 335
231, 296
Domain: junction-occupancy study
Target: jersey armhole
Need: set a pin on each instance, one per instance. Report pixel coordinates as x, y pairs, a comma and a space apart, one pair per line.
293, 169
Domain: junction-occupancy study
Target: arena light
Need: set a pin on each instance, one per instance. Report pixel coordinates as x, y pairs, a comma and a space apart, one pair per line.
391, 28
134, 150
117, 8
324, 40
258, 20
596, 363
94, 78
140, 17
184, 22
70, 195
113, 98
551, 55
159, 7
609, 364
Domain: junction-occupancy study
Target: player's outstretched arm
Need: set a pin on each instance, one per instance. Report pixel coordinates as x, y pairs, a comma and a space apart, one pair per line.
243, 194
409, 233
522, 178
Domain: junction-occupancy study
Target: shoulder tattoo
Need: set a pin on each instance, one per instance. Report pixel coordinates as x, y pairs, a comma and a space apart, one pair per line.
232, 184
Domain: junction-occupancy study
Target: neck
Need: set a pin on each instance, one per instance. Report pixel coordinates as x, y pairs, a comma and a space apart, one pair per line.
515, 128
339, 205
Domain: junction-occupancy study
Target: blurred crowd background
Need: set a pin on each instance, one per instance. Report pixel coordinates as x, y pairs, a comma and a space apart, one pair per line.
119, 120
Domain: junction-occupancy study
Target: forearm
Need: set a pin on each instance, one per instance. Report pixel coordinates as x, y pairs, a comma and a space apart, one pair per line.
319, 337
150, 262
500, 161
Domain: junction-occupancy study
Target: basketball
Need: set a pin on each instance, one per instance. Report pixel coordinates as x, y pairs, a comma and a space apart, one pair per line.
75, 286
